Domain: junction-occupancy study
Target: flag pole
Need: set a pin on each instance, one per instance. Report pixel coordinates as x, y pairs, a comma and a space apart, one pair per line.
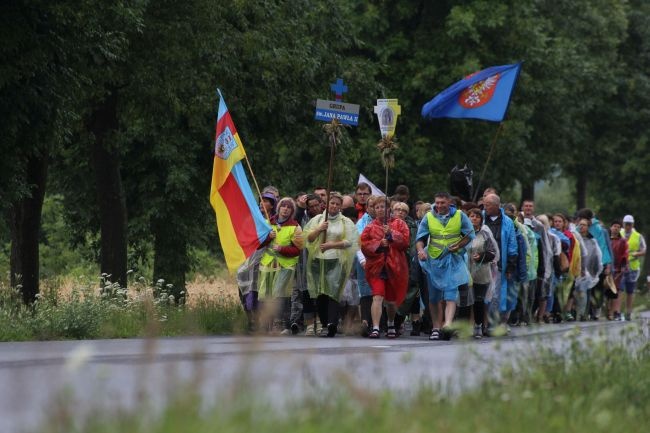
248, 164
487, 161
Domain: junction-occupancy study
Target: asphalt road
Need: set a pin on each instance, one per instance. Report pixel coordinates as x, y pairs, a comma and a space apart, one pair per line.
38, 378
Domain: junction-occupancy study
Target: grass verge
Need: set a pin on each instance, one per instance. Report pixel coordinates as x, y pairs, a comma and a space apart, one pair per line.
87, 313
592, 385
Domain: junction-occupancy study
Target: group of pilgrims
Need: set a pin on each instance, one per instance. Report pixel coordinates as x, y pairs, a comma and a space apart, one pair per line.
372, 265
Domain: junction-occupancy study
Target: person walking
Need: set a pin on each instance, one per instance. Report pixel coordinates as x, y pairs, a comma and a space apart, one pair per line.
505, 296
483, 252
384, 242
411, 305
278, 267
636, 250
620, 267
447, 231
592, 267
302, 305
332, 241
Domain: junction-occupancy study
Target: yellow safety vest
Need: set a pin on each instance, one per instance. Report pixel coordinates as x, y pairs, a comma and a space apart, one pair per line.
633, 245
442, 236
284, 237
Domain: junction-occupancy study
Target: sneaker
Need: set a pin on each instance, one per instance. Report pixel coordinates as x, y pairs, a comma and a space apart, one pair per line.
391, 333
331, 329
416, 328
478, 332
286, 332
487, 331
309, 331
568, 317
435, 335
295, 328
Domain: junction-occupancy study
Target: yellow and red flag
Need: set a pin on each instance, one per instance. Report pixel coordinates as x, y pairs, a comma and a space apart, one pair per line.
241, 225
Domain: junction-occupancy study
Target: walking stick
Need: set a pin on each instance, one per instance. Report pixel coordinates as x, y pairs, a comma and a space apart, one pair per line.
387, 146
334, 132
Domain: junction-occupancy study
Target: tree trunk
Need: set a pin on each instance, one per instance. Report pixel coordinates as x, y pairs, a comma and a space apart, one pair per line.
171, 261
581, 190
110, 192
528, 191
25, 223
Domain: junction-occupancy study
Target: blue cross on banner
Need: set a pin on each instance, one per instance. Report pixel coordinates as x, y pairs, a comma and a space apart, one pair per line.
339, 89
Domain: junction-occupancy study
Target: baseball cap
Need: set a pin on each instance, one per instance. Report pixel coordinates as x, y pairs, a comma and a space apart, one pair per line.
270, 196
628, 219
528, 222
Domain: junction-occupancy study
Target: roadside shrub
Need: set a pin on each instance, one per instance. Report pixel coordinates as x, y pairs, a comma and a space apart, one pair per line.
109, 311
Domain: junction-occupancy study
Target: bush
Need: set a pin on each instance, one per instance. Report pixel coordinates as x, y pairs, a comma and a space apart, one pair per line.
110, 311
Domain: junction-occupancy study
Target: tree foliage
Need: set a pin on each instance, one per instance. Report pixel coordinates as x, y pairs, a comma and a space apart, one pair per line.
579, 107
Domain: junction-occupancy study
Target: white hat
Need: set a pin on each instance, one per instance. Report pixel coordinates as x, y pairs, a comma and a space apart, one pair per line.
628, 219
528, 222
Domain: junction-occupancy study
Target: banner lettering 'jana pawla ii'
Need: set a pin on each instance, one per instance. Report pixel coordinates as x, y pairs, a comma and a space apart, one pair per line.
483, 95
326, 111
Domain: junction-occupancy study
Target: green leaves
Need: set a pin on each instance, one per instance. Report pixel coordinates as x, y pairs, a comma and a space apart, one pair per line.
580, 105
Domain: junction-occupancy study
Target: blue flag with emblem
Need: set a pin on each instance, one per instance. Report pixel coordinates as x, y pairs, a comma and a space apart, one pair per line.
482, 95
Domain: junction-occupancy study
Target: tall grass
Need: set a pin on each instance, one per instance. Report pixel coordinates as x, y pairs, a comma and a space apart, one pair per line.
592, 386
86, 312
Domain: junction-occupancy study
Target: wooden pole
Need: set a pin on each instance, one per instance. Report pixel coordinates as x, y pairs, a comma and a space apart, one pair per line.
330, 171
256, 186
387, 201
487, 161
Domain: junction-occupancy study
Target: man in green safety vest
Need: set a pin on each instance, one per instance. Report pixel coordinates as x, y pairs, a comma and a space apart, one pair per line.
636, 250
445, 230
